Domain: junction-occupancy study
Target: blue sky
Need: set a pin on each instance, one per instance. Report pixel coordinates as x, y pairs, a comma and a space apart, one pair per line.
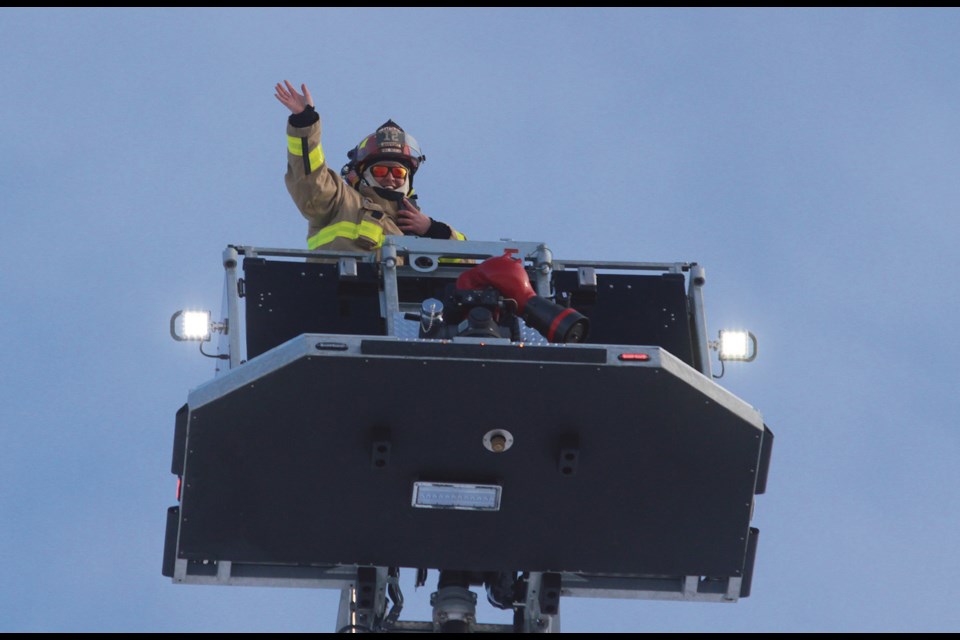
807, 157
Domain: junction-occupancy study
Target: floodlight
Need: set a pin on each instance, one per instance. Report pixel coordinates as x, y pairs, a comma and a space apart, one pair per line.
737, 345
194, 326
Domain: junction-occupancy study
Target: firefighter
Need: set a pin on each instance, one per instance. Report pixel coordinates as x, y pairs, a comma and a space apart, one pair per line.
373, 194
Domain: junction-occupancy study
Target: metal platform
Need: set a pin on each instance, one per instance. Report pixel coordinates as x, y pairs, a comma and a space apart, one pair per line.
623, 469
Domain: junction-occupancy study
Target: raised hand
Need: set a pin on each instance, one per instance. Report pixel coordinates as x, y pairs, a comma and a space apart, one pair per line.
291, 99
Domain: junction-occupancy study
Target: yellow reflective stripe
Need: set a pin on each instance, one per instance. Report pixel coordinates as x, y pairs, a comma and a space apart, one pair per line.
456, 236
349, 230
294, 146
315, 157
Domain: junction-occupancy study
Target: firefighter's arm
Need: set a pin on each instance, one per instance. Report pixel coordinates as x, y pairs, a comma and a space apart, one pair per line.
317, 190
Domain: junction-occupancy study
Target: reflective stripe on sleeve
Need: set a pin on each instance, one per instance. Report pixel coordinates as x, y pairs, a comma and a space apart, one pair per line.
349, 230
312, 159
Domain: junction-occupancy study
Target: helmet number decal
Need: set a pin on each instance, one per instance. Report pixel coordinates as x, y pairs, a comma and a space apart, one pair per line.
388, 135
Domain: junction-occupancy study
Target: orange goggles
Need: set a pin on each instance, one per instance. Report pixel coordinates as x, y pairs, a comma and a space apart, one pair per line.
381, 171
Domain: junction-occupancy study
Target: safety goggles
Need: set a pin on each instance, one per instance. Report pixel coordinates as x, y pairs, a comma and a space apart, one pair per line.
381, 171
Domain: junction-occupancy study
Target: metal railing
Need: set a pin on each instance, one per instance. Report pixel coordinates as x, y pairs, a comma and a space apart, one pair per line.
409, 256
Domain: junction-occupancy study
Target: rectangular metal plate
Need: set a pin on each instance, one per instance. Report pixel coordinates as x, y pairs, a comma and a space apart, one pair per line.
465, 497
282, 468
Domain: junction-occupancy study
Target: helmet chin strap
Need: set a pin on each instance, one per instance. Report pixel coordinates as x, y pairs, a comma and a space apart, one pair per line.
388, 194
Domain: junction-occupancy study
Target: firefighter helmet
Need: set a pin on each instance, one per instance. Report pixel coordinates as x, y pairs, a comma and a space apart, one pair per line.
388, 142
